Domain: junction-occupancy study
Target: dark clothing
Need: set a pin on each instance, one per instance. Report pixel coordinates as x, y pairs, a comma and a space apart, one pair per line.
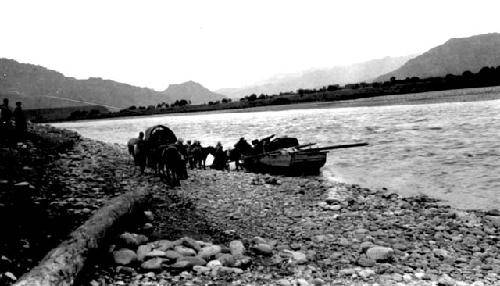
243, 147
220, 159
20, 120
6, 115
140, 154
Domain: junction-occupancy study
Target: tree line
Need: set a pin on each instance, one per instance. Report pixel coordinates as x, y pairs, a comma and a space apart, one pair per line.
487, 76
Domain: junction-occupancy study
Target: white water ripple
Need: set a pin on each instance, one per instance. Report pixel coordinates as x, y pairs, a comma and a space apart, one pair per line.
446, 150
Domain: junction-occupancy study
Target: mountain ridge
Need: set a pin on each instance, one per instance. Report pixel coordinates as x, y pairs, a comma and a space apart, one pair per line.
39, 87
315, 78
455, 56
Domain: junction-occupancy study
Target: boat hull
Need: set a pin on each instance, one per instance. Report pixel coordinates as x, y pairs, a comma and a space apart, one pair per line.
290, 163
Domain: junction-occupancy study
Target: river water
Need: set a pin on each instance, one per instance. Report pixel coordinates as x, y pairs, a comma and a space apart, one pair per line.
448, 150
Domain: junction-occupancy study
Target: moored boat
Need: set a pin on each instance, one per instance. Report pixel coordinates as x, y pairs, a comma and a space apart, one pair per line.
288, 157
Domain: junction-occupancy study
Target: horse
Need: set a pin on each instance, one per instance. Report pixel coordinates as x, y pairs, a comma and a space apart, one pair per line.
130, 145
234, 155
201, 156
240, 148
171, 165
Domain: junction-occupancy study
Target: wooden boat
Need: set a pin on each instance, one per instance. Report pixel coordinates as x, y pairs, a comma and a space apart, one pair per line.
296, 160
287, 162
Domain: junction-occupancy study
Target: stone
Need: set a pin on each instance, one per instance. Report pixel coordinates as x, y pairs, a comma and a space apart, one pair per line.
209, 251
445, 280
237, 247
242, 261
181, 265
149, 215
419, 275
296, 257
366, 273
493, 212
201, 269
172, 255
11, 276
227, 260
124, 256
495, 220
185, 251
214, 263
318, 282
258, 240
302, 282
193, 260
153, 264
155, 253
228, 270
132, 240
364, 261
263, 248
380, 253
147, 227
164, 245
284, 282
191, 243
143, 250
125, 270
332, 207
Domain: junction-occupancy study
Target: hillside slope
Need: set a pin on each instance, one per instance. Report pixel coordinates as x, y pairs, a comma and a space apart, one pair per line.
39, 87
453, 57
365, 71
192, 91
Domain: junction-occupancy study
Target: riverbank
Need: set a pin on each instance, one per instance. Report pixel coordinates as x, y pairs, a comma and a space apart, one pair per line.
429, 97
330, 226
51, 183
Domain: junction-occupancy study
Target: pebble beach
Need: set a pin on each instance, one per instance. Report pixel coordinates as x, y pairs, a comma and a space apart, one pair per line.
239, 228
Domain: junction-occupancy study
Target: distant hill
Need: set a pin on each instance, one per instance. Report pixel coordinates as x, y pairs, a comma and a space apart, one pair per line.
453, 57
39, 87
192, 91
366, 71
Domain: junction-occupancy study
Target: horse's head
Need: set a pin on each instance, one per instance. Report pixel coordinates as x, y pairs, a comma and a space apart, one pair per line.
210, 150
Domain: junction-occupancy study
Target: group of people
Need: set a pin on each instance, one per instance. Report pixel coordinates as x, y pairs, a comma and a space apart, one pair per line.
13, 124
196, 155
193, 154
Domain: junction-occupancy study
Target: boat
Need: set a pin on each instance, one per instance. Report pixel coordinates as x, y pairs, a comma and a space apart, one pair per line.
287, 157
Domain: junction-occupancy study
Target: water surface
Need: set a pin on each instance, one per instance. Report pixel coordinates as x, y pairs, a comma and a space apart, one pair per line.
446, 150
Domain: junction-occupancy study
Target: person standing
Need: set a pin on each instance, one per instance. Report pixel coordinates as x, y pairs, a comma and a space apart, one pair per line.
5, 124
140, 152
20, 120
6, 115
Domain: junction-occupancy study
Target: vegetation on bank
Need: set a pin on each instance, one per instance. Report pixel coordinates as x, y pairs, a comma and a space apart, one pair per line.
487, 76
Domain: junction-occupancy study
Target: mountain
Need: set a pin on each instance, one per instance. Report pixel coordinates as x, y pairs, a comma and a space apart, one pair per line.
365, 71
39, 87
453, 57
192, 91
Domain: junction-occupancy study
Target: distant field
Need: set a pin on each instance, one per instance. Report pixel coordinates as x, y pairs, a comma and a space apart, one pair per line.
456, 95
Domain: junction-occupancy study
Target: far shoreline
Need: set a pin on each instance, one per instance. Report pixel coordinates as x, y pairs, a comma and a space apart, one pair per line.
429, 97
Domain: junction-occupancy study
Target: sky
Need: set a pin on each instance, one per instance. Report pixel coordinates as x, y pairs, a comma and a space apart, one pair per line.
227, 43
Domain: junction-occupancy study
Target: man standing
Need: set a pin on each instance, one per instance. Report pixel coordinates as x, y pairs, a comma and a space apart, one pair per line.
140, 153
20, 120
6, 112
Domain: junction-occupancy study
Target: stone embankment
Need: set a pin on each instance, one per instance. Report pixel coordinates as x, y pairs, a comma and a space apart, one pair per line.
240, 228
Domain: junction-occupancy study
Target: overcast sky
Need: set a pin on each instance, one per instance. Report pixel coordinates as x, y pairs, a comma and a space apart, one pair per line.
227, 43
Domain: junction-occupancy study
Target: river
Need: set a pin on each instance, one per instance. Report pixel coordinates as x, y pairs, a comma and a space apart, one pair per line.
447, 150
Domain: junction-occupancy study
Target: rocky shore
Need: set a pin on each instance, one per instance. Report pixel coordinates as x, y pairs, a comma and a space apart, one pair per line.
290, 231
312, 232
